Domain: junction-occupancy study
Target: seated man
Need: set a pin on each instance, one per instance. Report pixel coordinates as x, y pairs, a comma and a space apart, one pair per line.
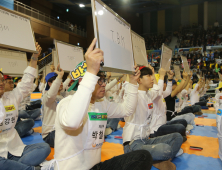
137, 128
81, 121
158, 125
13, 153
50, 100
23, 127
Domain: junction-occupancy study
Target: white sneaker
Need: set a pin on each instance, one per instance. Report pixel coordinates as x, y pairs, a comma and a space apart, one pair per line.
179, 153
108, 131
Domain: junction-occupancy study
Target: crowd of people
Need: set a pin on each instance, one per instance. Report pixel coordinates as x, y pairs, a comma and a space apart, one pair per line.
198, 37
77, 115
74, 28
154, 42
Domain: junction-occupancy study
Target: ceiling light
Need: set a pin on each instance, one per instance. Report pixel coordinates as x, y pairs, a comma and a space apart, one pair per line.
67, 10
78, 44
81, 5
57, 17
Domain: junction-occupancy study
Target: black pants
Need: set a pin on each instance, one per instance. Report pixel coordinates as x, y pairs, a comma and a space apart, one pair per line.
34, 105
171, 127
201, 103
136, 160
50, 139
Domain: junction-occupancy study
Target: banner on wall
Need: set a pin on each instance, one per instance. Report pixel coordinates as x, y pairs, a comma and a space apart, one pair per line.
153, 56
192, 49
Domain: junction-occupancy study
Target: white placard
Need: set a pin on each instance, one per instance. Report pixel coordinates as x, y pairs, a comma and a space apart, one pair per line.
16, 32
166, 57
114, 38
185, 64
69, 55
177, 71
12, 62
139, 49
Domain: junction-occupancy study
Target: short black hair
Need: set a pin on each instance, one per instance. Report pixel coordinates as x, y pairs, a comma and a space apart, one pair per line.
220, 89
52, 79
146, 71
1, 73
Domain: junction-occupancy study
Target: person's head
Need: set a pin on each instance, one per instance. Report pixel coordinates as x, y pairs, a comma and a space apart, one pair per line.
146, 79
2, 84
17, 80
9, 84
99, 91
50, 78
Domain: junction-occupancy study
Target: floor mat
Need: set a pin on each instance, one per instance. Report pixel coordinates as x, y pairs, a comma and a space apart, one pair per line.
36, 95
210, 146
32, 139
109, 150
205, 122
208, 131
209, 116
38, 123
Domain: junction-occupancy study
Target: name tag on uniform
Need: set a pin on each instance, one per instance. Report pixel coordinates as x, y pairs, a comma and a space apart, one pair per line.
164, 100
150, 106
9, 108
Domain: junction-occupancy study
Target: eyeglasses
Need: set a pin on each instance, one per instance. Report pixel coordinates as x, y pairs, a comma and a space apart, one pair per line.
10, 82
101, 81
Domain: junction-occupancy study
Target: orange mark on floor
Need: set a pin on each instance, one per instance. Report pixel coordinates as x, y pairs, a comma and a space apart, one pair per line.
38, 129
109, 150
36, 95
205, 122
122, 124
210, 146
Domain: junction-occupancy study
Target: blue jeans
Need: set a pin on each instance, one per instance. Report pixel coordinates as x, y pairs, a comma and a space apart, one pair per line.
112, 123
50, 139
161, 148
32, 155
23, 127
171, 127
136, 160
33, 114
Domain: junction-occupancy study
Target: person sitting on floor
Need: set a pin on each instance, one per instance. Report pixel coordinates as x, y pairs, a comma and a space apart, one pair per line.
137, 129
172, 102
50, 100
13, 153
158, 125
23, 127
81, 121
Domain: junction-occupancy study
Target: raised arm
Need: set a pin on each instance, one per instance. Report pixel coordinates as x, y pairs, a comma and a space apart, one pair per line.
53, 91
168, 90
25, 86
73, 109
179, 88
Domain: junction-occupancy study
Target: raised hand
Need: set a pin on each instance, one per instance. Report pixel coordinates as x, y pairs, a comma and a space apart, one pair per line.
93, 58
59, 71
170, 74
133, 78
39, 49
162, 73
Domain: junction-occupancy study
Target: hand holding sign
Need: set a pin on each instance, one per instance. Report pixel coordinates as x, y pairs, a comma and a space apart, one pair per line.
133, 78
94, 58
59, 71
38, 49
170, 74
